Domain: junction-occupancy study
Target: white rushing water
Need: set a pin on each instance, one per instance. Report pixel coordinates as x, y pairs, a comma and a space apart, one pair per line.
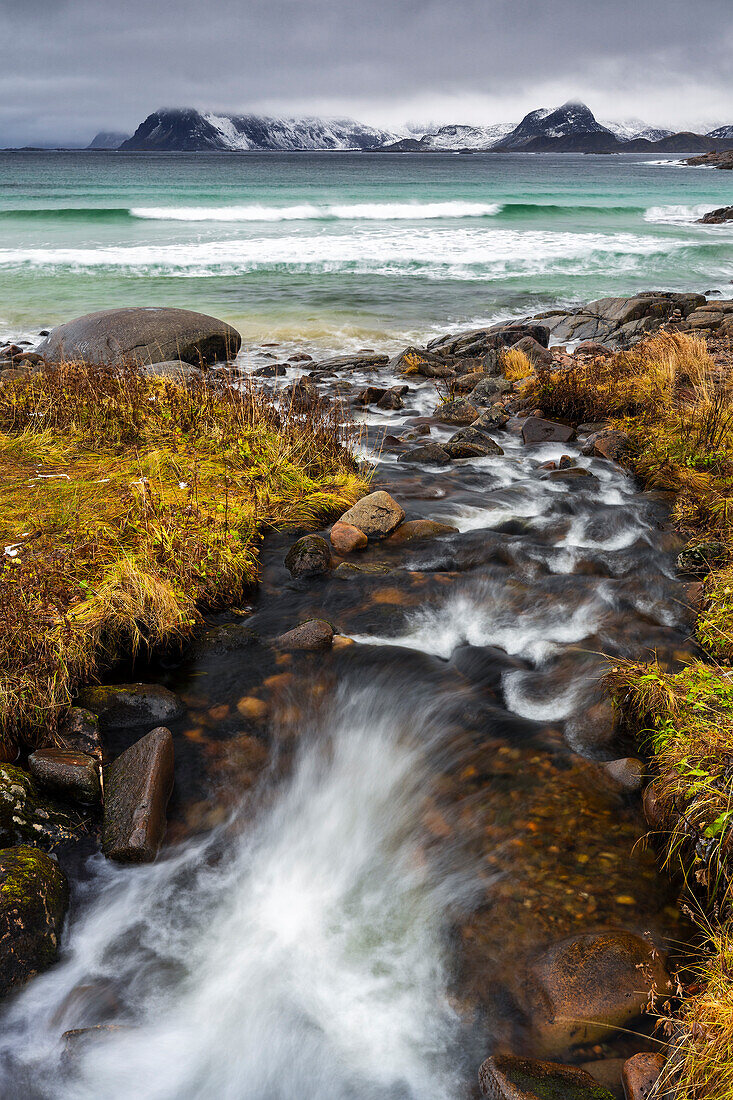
303, 957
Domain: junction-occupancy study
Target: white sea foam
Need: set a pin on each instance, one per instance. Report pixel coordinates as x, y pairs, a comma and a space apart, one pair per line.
676, 214
365, 211
427, 253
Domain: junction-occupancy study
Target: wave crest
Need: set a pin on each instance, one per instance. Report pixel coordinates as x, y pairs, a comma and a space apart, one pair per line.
365, 211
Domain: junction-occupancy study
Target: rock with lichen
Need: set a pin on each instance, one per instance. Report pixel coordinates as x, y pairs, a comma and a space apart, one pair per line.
34, 896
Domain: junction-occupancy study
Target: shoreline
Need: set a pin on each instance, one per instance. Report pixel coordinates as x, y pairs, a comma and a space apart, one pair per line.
600, 387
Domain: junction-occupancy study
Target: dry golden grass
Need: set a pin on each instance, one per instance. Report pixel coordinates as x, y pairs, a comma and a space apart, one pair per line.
129, 504
515, 365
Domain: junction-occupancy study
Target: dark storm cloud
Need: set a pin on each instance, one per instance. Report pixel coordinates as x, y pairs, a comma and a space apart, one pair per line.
71, 67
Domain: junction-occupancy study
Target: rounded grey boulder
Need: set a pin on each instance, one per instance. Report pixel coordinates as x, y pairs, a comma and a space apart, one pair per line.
141, 334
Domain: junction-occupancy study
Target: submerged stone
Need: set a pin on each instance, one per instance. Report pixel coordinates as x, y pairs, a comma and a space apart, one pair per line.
308, 557
125, 706
72, 775
313, 634
505, 1077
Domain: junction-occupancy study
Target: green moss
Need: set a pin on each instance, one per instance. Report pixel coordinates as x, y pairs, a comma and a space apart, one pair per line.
552, 1087
26, 815
23, 871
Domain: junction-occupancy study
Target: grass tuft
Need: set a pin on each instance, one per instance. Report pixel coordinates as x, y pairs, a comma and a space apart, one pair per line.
128, 505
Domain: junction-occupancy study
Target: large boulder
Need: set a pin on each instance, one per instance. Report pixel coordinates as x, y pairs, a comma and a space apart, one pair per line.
505, 1077
310, 635
377, 515
537, 430
717, 217
34, 896
308, 557
125, 706
25, 815
143, 334
580, 989
137, 786
429, 453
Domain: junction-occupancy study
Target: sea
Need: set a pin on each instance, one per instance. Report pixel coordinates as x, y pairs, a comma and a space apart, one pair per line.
338, 251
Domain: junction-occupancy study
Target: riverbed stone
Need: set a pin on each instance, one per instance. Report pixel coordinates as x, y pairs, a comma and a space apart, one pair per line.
506, 1077
416, 529
626, 773
495, 416
641, 1073
72, 775
346, 538
429, 453
125, 706
377, 515
137, 787
456, 412
461, 448
142, 334
312, 634
537, 430
34, 897
580, 989
308, 557
608, 443
27, 815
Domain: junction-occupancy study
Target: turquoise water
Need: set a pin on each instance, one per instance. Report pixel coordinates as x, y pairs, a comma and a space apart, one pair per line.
345, 250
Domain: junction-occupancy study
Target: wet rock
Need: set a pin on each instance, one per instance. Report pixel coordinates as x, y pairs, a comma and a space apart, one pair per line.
463, 449
505, 1077
347, 568
700, 558
431, 453
717, 217
312, 634
535, 352
655, 812
72, 775
345, 538
582, 988
456, 412
391, 400
480, 342
415, 529
640, 1074
468, 382
300, 357
494, 417
26, 816
308, 557
79, 732
471, 435
34, 896
417, 361
594, 728
143, 335
370, 395
607, 1072
377, 515
137, 787
608, 443
627, 773
125, 706
488, 390
593, 349
366, 361
536, 430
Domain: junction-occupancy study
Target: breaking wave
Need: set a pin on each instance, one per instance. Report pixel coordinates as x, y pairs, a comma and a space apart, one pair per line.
365, 211
677, 215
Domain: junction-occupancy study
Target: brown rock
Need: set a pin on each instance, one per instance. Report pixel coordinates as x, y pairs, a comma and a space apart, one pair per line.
608, 444
594, 349
308, 557
456, 412
313, 634
627, 773
505, 1077
607, 1072
466, 382
461, 448
137, 787
536, 430
534, 351
71, 774
370, 395
416, 529
582, 988
640, 1074
656, 815
377, 515
430, 453
345, 538
391, 400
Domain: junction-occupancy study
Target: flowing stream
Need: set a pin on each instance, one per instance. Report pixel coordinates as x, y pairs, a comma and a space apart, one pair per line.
350, 884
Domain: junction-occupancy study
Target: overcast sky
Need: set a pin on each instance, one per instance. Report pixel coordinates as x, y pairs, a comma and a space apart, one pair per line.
73, 67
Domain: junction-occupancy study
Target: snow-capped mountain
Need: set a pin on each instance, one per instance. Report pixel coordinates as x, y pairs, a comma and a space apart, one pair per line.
629, 129
188, 130
572, 126
466, 137
722, 132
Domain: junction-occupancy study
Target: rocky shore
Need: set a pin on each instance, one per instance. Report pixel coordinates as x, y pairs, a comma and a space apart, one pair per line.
596, 380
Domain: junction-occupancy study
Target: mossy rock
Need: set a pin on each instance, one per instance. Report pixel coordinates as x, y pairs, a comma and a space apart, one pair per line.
505, 1077
34, 896
27, 816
